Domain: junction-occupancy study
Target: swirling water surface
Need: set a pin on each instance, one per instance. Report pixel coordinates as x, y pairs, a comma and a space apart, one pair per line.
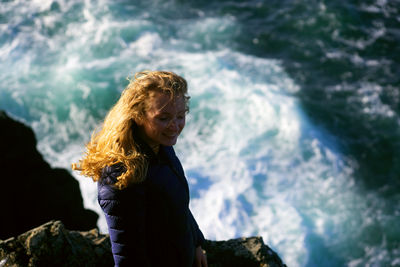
293, 132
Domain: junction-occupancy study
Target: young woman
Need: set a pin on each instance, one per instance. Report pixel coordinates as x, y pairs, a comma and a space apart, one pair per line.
142, 188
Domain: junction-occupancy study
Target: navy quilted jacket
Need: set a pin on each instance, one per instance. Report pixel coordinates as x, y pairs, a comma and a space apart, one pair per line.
150, 223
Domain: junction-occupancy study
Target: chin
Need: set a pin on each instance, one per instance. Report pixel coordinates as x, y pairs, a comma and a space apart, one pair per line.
169, 142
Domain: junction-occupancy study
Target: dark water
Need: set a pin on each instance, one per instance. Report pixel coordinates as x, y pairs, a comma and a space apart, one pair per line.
294, 126
345, 57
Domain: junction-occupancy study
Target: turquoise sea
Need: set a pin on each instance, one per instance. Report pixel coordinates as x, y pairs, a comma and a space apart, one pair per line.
294, 128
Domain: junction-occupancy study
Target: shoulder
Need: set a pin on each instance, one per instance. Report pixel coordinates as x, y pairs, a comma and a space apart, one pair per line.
106, 186
108, 178
110, 174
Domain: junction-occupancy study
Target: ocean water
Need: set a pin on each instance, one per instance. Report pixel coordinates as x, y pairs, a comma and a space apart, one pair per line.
293, 132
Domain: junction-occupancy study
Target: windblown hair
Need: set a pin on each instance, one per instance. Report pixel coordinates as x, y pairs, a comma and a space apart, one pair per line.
114, 143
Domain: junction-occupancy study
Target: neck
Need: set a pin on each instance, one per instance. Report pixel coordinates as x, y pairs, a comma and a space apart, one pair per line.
139, 135
155, 148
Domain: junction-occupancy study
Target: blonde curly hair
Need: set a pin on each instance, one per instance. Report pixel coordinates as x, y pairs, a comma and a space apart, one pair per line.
114, 143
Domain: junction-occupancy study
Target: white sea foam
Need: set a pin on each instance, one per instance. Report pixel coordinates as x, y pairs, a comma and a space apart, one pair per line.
255, 164
244, 124
240, 130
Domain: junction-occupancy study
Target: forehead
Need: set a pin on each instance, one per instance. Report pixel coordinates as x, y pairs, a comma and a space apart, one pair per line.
161, 102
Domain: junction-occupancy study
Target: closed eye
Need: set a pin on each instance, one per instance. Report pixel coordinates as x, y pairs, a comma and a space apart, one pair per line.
181, 115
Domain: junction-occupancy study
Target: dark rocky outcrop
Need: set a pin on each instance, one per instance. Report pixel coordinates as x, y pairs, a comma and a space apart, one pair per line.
248, 252
32, 192
52, 245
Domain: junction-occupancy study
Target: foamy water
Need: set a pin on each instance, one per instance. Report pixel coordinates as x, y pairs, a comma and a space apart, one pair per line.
256, 164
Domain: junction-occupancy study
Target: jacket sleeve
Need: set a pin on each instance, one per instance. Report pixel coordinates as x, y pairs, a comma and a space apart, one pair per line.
198, 235
126, 222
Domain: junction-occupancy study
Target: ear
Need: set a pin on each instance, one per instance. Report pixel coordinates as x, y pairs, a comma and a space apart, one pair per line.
138, 121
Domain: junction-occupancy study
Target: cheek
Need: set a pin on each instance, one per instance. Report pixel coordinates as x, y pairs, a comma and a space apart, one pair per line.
182, 124
159, 126
152, 128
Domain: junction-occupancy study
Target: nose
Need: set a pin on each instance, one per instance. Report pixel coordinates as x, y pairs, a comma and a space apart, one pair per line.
173, 124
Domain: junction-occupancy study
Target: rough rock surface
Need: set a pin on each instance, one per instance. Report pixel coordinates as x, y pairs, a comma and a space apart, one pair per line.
248, 252
32, 192
52, 245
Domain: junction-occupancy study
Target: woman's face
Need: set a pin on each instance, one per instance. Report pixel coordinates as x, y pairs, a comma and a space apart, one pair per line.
163, 121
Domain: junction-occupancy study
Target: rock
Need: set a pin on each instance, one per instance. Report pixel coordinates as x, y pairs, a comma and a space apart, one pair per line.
52, 245
32, 192
238, 252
